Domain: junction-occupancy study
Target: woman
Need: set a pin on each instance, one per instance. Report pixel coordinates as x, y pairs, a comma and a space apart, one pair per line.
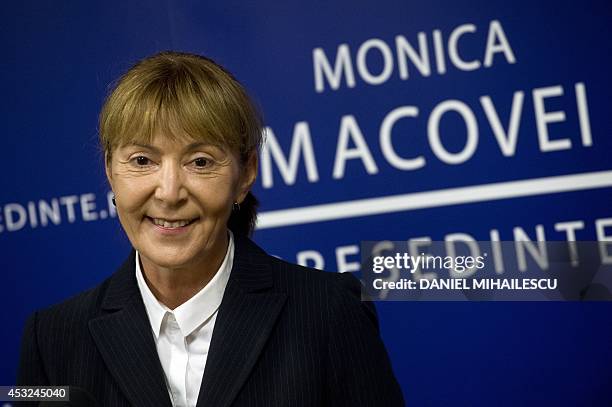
180, 138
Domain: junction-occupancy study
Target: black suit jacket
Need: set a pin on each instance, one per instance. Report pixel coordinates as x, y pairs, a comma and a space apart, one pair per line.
284, 336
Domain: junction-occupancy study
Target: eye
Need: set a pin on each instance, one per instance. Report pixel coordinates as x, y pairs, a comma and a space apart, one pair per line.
142, 160
201, 162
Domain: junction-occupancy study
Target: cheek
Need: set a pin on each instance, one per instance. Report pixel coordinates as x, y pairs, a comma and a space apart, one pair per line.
131, 196
218, 203
216, 198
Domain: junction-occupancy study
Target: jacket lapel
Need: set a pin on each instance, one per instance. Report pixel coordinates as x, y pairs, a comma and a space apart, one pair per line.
246, 317
125, 341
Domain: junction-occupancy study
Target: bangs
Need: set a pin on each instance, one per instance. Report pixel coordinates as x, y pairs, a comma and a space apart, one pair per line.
178, 96
162, 109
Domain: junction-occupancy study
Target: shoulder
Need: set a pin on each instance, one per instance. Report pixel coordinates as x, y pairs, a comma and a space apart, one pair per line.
84, 303
337, 294
358, 370
52, 334
288, 274
296, 277
76, 311
69, 316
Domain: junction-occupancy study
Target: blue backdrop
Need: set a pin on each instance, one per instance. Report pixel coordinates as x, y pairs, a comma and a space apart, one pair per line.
363, 101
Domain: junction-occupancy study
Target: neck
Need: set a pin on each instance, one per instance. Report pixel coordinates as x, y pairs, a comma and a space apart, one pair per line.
174, 286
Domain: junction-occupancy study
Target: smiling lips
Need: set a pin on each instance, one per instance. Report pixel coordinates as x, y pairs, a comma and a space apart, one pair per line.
171, 224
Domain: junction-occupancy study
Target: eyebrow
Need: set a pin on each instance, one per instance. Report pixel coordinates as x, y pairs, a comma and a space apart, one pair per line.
145, 146
190, 147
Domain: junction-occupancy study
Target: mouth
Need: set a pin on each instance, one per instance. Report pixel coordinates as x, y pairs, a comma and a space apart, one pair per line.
171, 223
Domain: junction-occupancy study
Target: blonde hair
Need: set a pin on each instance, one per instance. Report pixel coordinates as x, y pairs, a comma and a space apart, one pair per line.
180, 94
183, 95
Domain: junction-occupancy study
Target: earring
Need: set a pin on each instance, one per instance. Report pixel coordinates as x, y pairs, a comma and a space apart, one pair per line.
235, 207
114, 202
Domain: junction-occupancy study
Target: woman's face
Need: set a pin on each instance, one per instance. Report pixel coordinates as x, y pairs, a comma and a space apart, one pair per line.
174, 197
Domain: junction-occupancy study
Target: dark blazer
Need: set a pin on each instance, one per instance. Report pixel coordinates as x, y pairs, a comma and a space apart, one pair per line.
285, 335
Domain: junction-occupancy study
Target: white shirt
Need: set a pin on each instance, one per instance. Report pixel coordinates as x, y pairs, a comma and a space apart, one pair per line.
182, 336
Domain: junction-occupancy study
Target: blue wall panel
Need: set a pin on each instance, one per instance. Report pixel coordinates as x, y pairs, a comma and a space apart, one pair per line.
62, 57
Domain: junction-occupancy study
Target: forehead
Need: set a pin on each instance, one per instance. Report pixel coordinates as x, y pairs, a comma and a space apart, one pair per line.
165, 141
165, 146
170, 139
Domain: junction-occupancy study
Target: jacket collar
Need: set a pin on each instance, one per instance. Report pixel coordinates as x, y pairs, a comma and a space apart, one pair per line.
246, 317
251, 271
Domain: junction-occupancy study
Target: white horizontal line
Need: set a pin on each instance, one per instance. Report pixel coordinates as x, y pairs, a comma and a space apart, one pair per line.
432, 199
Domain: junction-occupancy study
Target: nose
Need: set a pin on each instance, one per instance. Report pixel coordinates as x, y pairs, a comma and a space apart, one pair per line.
170, 189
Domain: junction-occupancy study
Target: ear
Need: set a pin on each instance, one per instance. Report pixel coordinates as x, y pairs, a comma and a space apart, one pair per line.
248, 176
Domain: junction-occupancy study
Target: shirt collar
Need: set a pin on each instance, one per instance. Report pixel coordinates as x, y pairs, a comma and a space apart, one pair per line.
199, 308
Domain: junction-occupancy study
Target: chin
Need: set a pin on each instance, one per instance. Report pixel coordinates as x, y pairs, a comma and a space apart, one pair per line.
166, 258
